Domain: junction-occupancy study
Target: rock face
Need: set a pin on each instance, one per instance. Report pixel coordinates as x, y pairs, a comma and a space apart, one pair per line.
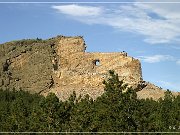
83, 72
28, 65
61, 65
151, 91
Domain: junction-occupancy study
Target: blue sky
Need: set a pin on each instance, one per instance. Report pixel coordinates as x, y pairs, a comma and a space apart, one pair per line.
147, 31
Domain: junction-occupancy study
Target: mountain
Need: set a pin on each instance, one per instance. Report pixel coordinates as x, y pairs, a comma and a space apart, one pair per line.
61, 65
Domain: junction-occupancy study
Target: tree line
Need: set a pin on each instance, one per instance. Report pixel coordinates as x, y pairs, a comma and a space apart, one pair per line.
114, 111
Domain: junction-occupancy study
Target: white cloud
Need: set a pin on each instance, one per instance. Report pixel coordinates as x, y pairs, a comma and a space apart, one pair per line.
156, 58
158, 23
176, 47
76, 10
159, 58
178, 62
170, 85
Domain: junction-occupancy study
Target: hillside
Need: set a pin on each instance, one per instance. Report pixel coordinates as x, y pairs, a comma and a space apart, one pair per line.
114, 112
61, 65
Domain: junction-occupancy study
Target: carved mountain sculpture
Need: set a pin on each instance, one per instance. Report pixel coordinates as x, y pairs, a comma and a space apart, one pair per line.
61, 65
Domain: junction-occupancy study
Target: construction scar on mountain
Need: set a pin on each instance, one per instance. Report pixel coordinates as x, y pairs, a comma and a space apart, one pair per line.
61, 65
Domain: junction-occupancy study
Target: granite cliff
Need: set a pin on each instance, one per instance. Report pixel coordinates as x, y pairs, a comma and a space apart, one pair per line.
61, 65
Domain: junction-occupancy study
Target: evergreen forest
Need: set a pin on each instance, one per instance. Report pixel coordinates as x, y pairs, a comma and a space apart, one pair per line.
114, 111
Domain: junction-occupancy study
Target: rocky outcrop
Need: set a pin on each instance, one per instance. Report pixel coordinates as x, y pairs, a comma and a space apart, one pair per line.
26, 64
61, 65
152, 91
83, 72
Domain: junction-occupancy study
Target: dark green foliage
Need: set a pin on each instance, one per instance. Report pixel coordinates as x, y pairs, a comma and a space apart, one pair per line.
117, 110
15, 108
